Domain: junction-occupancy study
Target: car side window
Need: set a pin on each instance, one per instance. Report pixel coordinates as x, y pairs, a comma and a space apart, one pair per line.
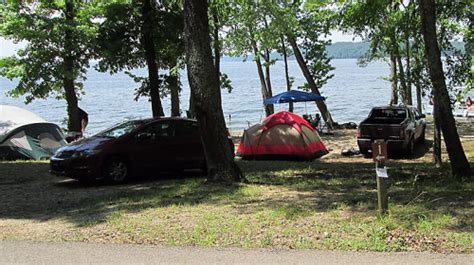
159, 129
186, 129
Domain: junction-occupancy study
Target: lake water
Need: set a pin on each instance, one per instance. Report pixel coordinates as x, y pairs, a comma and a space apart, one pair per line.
108, 99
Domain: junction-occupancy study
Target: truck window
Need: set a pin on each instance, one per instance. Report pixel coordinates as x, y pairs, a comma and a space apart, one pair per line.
389, 114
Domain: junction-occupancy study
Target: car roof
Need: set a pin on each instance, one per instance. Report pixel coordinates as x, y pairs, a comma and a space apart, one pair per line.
150, 120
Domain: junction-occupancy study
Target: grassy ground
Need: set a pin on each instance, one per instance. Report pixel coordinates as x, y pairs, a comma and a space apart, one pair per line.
329, 203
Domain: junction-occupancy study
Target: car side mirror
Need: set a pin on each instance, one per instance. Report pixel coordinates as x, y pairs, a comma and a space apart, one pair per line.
143, 136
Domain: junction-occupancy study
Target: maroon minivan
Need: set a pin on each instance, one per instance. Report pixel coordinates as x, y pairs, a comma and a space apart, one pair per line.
131, 148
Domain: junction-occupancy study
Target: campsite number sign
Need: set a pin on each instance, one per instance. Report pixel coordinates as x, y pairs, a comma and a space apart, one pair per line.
379, 150
379, 154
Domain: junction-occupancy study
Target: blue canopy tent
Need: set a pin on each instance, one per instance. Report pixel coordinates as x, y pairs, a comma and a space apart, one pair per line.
293, 96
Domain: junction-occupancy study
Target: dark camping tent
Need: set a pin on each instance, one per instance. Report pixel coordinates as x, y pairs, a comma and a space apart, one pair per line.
283, 135
24, 135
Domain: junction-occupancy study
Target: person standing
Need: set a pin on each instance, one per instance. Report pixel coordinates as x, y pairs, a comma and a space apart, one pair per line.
73, 136
84, 118
469, 106
469, 102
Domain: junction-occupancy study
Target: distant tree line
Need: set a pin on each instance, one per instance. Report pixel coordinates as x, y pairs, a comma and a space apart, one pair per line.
355, 50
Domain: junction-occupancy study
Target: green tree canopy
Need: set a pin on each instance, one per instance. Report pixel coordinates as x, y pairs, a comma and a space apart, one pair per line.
120, 41
39, 66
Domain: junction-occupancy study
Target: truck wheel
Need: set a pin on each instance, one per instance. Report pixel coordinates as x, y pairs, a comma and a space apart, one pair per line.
422, 137
411, 147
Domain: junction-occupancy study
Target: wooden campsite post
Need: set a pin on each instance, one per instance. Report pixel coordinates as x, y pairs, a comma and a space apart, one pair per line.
379, 154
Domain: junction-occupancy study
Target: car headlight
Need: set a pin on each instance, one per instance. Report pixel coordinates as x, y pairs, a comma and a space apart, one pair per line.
85, 153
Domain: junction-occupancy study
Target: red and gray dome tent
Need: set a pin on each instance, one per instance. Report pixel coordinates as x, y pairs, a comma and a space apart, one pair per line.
283, 135
24, 135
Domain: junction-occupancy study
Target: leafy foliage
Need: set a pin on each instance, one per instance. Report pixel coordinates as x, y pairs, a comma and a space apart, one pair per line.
266, 22
308, 24
39, 66
120, 41
389, 25
315, 25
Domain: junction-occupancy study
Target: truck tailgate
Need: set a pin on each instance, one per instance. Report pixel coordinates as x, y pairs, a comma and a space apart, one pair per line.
380, 131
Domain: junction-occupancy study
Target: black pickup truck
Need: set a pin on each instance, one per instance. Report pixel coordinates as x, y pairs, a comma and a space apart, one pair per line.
401, 127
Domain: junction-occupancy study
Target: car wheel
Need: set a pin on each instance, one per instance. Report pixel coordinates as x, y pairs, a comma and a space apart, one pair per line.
116, 170
203, 166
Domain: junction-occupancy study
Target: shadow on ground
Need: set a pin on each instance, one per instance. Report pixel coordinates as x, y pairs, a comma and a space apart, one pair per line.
27, 191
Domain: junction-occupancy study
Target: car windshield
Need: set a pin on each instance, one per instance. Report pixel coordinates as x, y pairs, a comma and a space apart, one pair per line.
120, 129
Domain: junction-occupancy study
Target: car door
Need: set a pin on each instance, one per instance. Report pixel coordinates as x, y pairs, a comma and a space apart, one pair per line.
189, 145
154, 146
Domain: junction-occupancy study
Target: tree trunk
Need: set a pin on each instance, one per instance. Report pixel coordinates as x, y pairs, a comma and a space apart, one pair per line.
206, 93
459, 163
217, 48
309, 78
394, 80
436, 136
261, 76
174, 92
287, 76
418, 87
406, 95
268, 80
401, 73
150, 57
416, 55
74, 122
408, 76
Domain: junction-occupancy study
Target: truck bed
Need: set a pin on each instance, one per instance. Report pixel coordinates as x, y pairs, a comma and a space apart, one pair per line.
383, 124
380, 131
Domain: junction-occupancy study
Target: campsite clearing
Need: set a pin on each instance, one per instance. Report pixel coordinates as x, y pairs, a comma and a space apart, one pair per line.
329, 203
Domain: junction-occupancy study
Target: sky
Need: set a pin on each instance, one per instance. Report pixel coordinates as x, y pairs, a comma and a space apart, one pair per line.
8, 48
